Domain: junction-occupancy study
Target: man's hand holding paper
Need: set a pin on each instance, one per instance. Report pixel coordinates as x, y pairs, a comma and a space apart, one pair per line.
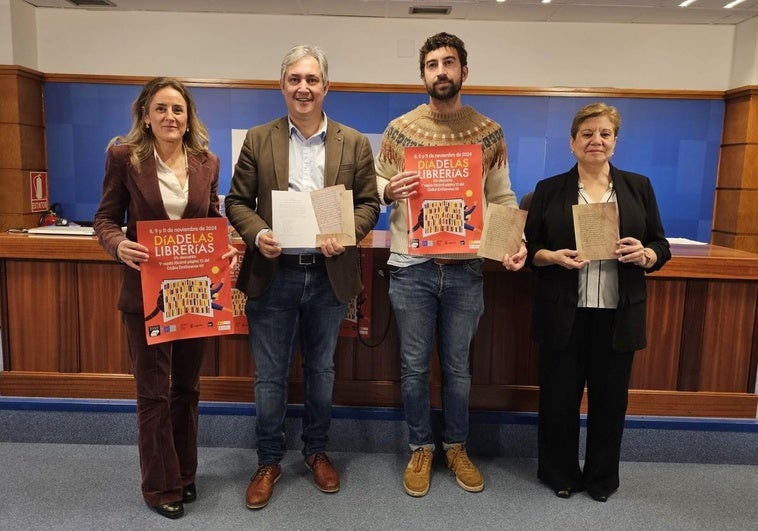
502, 236
321, 218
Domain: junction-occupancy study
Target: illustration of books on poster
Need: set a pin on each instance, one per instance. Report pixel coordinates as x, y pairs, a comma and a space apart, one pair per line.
186, 295
357, 322
307, 219
445, 213
239, 299
186, 284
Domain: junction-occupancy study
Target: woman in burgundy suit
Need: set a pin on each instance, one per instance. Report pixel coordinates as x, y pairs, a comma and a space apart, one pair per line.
161, 169
589, 315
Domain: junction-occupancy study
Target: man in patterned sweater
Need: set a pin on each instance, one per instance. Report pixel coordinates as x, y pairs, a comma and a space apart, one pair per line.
441, 293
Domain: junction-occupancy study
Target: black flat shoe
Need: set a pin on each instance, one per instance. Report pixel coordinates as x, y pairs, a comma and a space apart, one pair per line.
599, 497
189, 493
170, 510
563, 493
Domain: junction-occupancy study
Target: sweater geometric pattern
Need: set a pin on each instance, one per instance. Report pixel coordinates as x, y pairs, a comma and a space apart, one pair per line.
424, 127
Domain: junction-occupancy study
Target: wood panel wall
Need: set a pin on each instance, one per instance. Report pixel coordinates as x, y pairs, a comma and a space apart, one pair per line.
22, 143
735, 217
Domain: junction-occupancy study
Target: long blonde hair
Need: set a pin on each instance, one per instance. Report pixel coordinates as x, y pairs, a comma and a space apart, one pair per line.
141, 138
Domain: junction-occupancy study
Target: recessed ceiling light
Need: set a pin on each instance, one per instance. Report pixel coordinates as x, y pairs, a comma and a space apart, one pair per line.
687, 2
730, 5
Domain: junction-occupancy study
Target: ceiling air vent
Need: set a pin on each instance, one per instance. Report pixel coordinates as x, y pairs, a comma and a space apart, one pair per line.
430, 10
92, 3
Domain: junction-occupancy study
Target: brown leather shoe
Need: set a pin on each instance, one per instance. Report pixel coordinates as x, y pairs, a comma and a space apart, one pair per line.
261, 486
325, 476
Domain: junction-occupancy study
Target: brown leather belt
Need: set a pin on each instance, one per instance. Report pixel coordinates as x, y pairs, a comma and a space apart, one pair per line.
447, 261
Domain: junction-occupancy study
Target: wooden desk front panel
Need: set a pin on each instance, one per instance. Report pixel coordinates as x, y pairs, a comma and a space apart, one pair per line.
64, 337
102, 337
42, 316
657, 365
730, 337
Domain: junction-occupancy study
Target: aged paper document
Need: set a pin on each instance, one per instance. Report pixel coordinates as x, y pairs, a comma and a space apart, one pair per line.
305, 219
596, 227
502, 233
333, 206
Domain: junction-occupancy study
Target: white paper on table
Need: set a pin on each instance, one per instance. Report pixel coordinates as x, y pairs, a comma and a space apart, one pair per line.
684, 241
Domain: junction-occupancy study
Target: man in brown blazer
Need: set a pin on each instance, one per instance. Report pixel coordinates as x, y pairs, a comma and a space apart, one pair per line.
297, 293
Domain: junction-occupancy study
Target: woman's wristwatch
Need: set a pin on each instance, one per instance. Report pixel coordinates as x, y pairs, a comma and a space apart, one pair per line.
649, 257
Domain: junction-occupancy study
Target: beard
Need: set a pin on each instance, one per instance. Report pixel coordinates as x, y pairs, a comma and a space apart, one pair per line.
445, 93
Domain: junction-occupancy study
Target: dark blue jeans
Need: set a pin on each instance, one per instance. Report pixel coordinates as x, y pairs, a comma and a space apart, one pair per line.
448, 300
299, 304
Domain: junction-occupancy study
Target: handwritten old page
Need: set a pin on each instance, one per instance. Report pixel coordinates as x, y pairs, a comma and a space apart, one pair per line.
596, 227
306, 219
502, 233
333, 207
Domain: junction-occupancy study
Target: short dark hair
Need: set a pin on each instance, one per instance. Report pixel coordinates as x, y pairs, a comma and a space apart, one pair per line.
442, 40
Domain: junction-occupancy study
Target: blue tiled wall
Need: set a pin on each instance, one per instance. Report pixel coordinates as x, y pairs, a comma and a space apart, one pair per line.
675, 142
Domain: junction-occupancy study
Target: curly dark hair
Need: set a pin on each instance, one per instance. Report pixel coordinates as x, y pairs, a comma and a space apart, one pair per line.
442, 40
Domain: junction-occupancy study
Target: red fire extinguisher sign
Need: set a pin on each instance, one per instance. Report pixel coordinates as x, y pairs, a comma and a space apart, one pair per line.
38, 189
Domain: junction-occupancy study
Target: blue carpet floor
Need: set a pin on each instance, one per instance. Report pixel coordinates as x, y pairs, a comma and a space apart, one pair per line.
73, 465
96, 487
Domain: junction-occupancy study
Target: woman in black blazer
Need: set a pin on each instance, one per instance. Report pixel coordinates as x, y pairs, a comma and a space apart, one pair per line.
589, 316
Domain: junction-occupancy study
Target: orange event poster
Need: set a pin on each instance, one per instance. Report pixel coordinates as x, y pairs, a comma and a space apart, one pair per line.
186, 285
445, 213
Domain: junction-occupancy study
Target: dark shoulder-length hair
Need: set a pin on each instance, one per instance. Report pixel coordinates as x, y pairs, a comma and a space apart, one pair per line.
141, 138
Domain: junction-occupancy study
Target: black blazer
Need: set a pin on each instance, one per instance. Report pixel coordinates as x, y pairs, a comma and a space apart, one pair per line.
550, 225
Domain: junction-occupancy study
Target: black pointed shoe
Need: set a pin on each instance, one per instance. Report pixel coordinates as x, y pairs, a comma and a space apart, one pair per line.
189, 493
600, 496
172, 510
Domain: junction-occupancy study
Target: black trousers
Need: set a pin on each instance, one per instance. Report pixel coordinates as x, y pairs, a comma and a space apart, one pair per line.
588, 359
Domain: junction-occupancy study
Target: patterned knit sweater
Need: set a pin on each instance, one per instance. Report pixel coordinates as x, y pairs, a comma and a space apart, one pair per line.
424, 127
